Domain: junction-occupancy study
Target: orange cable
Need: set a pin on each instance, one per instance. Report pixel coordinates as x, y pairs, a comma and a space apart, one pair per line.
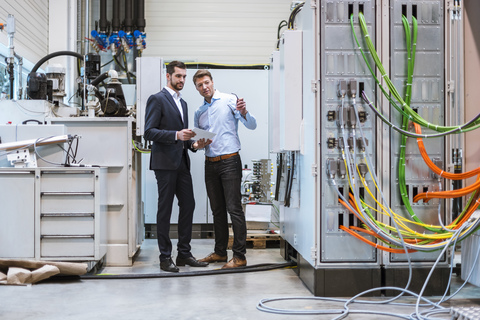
437, 170
375, 245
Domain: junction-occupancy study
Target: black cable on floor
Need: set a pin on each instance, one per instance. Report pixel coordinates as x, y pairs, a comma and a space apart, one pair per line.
252, 268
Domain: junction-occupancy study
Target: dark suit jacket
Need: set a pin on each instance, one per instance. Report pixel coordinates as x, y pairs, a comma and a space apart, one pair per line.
162, 121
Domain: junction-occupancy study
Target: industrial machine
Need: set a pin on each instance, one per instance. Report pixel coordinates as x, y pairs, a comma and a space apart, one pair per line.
69, 165
366, 122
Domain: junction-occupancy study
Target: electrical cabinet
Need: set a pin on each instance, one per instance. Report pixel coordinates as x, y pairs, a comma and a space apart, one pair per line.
346, 155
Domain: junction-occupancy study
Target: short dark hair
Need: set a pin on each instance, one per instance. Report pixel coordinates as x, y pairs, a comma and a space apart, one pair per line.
201, 74
171, 66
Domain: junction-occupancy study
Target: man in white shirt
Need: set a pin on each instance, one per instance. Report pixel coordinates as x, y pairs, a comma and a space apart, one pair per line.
220, 114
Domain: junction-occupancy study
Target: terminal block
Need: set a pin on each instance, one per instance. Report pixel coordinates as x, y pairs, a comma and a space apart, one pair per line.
363, 169
362, 116
352, 119
342, 116
331, 168
361, 145
342, 170
341, 143
350, 142
331, 143
352, 88
342, 88
331, 115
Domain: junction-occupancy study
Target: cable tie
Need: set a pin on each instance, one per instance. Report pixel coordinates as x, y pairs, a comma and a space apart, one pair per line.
408, 84
367, 36
441, 173
461, 131
384, 75
404, 104
414, 43
477, 201
426, 195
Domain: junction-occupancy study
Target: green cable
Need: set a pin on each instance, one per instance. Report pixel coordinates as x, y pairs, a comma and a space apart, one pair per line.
411, 53
373, 73
411, 114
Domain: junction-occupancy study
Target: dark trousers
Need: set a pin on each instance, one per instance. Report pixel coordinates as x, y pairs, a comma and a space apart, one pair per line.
223, 180
175, 182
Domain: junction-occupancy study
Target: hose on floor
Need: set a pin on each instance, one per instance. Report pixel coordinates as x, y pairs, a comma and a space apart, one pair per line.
252, 268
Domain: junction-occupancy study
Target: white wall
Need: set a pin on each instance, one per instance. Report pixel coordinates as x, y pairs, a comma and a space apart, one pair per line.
220, 31
31, 27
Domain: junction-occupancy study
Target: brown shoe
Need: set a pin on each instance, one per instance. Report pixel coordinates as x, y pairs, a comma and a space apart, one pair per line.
213, 257
235, 263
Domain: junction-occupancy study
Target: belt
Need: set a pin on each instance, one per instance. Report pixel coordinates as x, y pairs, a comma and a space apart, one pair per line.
223, 157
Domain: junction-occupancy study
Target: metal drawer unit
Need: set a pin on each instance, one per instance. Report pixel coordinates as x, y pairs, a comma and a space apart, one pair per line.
67, 214
67, 210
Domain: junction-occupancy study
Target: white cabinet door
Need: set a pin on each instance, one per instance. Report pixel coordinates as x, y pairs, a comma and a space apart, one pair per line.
17, 217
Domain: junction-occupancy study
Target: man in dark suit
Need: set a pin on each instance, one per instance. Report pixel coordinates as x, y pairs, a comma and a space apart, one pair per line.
166, 124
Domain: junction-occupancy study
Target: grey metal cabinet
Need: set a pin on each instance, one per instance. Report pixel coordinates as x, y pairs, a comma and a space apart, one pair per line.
53, 214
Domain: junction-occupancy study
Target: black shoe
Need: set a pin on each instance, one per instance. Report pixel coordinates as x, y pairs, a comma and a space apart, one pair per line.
191, 262
168, 265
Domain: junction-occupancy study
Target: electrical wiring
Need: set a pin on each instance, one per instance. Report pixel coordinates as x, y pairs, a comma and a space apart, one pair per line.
431, 246
126, 67
372, 244
262, 304
411, 114
38, 155
411, 44
437, 170
412, 134
293, 14
138, 149
399, 219
449, 194
411, 50
282, 24
250, 268
402, 156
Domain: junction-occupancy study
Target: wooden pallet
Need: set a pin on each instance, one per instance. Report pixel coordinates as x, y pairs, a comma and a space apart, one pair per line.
257, 240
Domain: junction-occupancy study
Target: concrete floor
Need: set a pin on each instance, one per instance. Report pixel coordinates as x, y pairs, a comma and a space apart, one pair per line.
222, 297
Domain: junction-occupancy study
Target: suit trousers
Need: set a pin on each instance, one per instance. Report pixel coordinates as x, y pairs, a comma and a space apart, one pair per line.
170, 183
223, 180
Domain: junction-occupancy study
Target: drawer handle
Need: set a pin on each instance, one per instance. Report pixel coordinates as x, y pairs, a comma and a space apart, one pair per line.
84, 171
67, 194
17, 172
68, 214
59, 236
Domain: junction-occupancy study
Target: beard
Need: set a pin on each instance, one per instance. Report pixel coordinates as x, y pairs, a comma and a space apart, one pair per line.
177, 86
